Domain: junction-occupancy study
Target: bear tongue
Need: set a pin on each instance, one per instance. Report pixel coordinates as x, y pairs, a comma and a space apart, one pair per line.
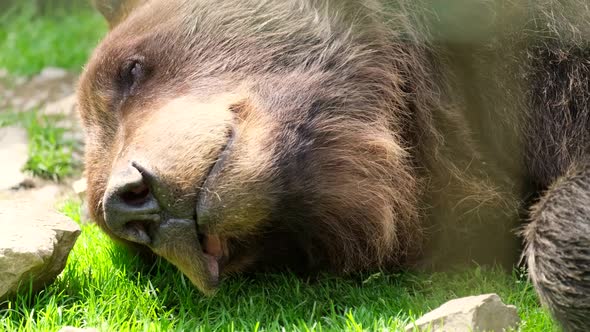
212, 246
213, 251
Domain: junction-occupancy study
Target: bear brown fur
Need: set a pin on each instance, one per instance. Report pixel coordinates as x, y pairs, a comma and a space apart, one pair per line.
341, 136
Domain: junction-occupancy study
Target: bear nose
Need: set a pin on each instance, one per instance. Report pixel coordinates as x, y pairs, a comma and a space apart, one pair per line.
130, 209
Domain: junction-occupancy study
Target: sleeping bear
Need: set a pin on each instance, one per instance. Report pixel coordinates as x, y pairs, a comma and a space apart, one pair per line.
343, 136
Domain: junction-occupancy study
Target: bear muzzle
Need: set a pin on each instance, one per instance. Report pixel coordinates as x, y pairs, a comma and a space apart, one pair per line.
132, 211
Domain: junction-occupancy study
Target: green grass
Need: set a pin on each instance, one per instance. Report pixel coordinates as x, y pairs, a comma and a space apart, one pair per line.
105, 287
50, 151
30, 42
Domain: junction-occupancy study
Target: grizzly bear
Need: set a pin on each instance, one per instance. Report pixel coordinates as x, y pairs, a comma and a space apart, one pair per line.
342, 136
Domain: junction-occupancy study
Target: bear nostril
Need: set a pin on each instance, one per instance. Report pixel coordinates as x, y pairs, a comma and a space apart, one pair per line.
131, 209
136, 196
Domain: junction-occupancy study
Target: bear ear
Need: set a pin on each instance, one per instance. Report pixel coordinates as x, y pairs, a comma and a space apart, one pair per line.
116, 11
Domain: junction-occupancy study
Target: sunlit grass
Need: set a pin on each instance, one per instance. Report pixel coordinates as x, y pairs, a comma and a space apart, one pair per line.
104, 286
50, 150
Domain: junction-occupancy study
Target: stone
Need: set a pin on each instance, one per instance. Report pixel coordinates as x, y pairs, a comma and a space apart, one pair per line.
34, 245
79, 187
74, 134
14, 155
20, 80
45, 193
45, 196
52, 85
51, 74
30, 104
63, 106
474, 313
16, 101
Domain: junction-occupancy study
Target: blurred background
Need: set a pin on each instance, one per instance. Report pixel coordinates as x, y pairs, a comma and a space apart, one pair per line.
35, 34
44, 45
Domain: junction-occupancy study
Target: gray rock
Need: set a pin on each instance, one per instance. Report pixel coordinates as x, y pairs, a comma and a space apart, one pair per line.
45, 195
16, 101
20, 80
51, 74
79, 187
14, 155
50, 86
34, 245
30, 104
63, 106
473, 313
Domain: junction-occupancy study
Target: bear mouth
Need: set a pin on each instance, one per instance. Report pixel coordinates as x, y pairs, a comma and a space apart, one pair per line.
212, 245
192, 244
213, 250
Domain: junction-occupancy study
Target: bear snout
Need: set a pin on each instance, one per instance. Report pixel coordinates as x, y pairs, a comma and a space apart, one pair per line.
131, 209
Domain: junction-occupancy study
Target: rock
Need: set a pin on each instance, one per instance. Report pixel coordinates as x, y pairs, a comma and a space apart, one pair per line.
16, 101
79, 187
34, 245
45, 193
74, 134
44, 196
64, 106
30, 104
473, 313
51, 74
14, 155
20, 80
50, 86
76, 329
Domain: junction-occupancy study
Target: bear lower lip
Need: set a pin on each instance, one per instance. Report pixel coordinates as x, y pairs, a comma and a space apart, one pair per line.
213, 267
178, 242
213, 253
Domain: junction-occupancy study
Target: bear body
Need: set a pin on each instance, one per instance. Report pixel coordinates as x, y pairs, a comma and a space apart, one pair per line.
344, 136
